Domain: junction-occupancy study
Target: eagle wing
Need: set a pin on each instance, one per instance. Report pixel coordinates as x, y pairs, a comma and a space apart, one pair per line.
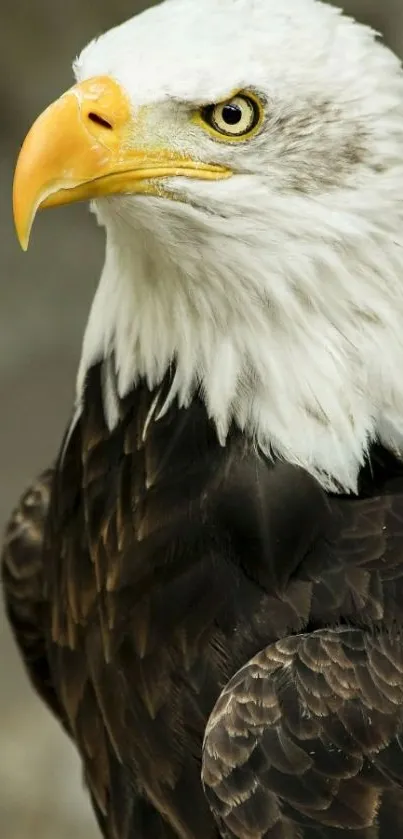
23, 585
306, 740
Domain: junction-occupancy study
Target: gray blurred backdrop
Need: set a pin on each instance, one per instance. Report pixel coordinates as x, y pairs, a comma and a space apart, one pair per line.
45, 297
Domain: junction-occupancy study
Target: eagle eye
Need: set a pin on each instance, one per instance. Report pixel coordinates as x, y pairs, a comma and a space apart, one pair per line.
234, 119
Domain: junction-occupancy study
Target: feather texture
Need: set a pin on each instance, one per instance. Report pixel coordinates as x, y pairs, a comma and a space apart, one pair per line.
23, 582
305, 740
162, 565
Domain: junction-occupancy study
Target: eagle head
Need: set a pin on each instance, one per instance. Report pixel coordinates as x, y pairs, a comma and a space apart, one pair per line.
246, 160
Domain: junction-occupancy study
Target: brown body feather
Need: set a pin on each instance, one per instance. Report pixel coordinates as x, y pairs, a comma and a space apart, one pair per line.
167, 584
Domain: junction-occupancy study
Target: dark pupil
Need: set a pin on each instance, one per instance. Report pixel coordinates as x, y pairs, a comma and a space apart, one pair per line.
232, 114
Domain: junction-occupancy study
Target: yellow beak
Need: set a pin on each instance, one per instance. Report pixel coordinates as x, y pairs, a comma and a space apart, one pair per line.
84, 146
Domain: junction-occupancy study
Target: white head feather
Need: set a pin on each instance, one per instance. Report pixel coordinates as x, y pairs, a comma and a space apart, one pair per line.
278, 292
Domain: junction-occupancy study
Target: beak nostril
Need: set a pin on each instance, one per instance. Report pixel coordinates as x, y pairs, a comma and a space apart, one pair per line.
99, 120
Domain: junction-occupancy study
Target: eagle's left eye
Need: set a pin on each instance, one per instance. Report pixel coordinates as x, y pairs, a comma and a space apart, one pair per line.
235, 119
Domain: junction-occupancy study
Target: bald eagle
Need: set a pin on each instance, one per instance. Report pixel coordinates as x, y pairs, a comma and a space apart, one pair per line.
207, 586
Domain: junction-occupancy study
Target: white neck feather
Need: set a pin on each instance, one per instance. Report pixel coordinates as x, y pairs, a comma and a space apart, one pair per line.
293, 330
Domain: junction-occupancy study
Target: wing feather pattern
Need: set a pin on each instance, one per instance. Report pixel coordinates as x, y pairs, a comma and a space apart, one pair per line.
24, 586
306, 740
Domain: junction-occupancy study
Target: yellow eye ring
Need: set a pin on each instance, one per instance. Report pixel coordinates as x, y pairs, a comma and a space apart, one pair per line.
237, 118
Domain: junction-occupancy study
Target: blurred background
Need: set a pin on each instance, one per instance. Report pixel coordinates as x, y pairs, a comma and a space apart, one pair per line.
44, 302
